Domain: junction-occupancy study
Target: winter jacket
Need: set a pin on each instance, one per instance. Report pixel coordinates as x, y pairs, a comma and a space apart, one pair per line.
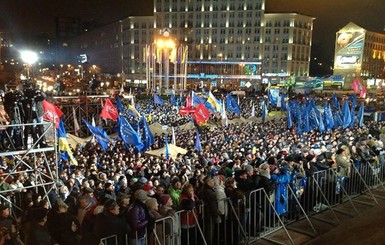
211, 204
138, 218
187, 204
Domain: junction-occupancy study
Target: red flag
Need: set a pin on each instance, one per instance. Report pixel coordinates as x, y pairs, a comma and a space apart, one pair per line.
51, 113
201, 114
359, 88
109, 111
186, 110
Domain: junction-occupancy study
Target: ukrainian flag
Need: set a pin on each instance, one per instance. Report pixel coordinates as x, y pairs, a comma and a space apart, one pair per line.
63, 143
214, 103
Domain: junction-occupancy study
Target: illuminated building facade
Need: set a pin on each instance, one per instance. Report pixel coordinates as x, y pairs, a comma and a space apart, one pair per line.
287, 39
218, 34
359, 53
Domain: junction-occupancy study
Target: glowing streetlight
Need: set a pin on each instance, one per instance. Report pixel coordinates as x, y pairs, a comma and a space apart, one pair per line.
165, 45
29, 58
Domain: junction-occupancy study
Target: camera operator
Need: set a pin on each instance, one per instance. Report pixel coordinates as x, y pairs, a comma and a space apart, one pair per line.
33, 110
13, 107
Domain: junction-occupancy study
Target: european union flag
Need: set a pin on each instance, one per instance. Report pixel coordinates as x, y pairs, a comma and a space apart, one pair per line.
232, 105
147, 136
158, 100
99, 134
128, 134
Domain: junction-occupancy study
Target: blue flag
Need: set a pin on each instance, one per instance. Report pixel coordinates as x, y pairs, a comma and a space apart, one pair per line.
289, 119
360, 115
128, 134
321, 126
272, 95
198, 145
196, 100
336, 104
307, 123
158, 100
99, 134
346, 115
119, 104
264, 110
283, 102
329, 120
173, 100
167, 152
147, 136
232, 105
299, 121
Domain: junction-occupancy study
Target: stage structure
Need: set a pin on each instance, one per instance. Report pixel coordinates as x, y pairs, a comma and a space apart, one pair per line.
166, 61
76, 108
27, 160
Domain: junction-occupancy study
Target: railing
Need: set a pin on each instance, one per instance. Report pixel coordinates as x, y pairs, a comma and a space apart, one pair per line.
258, 217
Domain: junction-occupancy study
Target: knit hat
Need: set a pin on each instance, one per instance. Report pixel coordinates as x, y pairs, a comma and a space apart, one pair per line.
248, 168
151, 202
163, 199
141, 195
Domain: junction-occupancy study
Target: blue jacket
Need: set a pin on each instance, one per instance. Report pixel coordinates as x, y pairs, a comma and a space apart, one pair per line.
281, 196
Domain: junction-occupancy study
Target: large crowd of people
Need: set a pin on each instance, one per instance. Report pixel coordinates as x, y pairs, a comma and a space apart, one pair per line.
123, 192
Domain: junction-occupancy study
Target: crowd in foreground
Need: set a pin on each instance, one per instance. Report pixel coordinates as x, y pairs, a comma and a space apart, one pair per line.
122, 192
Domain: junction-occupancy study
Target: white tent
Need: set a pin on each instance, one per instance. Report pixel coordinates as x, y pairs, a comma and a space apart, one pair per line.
74, 140
173, 151
157, 128
187, 126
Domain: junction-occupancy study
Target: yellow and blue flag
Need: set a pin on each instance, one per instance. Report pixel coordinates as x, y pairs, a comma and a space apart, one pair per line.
64, 147
212, 103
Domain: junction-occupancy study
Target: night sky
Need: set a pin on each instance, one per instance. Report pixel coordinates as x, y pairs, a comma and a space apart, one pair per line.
36, 16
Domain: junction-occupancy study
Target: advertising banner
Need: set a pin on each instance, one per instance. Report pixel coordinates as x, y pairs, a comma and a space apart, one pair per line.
349, 49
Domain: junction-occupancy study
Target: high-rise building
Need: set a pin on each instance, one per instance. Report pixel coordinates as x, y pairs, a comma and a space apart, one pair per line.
359, 53
287, 39
219, 34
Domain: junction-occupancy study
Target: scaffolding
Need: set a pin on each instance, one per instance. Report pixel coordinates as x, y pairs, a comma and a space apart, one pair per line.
28, 160
78, 107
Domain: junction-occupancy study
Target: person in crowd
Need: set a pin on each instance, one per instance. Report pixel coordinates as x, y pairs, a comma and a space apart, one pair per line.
38, 233
63, 226
109, 223
211, 215
138, 217
189, 215
236, 209
174, 191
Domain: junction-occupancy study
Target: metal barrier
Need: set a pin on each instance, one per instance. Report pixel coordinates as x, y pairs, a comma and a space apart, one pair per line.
258, 218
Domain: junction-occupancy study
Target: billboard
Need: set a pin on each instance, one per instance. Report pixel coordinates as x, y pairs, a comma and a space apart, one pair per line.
349, 49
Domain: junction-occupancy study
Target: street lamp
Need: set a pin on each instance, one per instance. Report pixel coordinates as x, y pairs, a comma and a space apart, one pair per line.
29, 58
165, 45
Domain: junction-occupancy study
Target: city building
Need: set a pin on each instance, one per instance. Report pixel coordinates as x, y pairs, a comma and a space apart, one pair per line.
359, 53
287, 39
218, 34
